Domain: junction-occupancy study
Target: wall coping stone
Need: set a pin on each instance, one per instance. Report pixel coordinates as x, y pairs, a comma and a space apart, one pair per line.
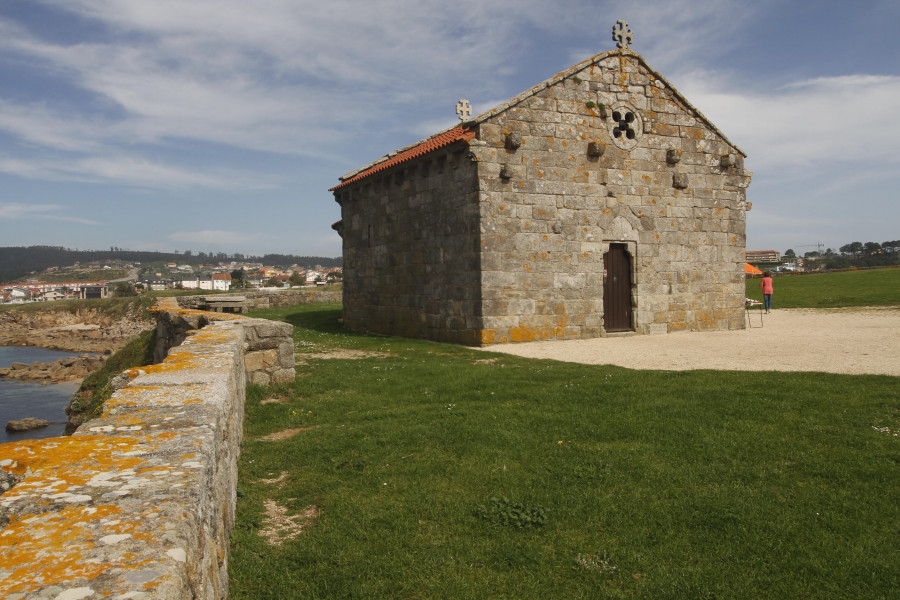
138, 503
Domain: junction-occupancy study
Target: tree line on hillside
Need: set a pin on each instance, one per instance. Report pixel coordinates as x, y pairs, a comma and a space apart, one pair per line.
19, 261
854, 254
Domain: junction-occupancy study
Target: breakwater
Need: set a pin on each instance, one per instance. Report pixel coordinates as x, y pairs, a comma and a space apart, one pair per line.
139, 503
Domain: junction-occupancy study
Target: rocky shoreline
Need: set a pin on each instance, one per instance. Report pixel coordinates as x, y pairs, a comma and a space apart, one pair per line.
73, 368
84, 330
78, 331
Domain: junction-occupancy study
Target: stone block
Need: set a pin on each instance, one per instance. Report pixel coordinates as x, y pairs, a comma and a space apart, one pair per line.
283, 375
260, 360
259, 378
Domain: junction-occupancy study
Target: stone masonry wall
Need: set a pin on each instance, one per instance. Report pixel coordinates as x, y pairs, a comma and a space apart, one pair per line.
139, 503
411, 265
554, 199
270, 298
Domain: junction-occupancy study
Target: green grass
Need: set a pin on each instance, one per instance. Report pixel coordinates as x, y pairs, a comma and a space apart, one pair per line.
445, 472
87, 402
86, 275
874, 287
114, 307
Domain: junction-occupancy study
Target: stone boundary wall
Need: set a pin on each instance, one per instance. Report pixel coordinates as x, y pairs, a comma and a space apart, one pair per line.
139, 503
271, 298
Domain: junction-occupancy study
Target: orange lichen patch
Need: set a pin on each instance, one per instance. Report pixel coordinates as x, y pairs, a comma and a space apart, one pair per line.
524, 333
487, 336
61, 455
48, 549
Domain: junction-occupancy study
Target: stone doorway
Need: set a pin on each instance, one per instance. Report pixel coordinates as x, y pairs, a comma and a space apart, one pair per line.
617, 302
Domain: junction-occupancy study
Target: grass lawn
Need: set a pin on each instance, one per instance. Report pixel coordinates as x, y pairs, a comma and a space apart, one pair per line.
436, 471
873, 287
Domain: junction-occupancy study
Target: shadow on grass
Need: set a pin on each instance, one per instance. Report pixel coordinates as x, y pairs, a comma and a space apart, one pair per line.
324, 320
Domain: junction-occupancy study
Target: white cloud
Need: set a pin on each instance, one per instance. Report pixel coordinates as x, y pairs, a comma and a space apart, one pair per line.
819, 123
19, 211
132, 171
15, 210
293, 78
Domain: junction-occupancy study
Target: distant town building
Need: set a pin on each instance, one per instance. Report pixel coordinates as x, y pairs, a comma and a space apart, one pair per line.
763, 256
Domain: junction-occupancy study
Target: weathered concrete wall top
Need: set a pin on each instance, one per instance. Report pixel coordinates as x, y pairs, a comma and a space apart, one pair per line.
137, 504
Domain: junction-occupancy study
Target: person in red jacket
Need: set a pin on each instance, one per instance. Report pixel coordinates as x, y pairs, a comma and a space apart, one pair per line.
767, 288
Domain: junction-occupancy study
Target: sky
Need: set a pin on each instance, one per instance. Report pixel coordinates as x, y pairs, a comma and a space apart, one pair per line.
220, 125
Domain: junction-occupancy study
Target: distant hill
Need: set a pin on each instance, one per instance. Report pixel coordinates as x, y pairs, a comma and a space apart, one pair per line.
19, 261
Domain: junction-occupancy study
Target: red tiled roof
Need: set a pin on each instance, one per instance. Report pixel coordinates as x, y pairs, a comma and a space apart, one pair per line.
460, 132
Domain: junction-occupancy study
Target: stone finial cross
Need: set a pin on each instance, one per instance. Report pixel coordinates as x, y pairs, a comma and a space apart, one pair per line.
622, 35
464, 110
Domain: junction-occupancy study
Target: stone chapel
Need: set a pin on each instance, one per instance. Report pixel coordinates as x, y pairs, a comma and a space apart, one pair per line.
599, 202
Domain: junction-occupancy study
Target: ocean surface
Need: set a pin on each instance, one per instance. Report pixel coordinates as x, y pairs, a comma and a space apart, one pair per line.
19, 400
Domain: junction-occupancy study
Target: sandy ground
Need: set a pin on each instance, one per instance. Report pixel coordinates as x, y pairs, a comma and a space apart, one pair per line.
855, 341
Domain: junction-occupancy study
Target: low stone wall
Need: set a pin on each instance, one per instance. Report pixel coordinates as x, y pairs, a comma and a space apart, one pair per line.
272, 298
139, 503
268, 348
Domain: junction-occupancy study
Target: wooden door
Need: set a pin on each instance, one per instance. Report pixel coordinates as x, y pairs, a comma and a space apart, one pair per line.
617, 289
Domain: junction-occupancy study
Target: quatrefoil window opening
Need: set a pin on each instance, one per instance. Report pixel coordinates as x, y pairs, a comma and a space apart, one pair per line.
626, 125
623, 126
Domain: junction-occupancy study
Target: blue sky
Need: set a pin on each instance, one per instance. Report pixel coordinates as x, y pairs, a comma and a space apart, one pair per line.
219, 125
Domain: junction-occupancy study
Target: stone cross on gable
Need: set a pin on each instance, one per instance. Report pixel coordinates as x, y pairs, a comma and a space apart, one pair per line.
622, 35
464, 110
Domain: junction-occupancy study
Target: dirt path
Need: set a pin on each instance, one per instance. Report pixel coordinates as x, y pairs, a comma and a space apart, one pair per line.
854, 341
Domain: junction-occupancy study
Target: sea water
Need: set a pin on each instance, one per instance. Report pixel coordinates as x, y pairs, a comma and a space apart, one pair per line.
21, 399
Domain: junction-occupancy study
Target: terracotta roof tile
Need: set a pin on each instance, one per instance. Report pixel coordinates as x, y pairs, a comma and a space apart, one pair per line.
460, 132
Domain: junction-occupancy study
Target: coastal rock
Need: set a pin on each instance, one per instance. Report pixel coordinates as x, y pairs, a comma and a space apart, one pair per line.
65, 369
84, 330
27, 424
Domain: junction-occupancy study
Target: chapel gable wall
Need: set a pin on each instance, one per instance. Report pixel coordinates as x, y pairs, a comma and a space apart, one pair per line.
557, 187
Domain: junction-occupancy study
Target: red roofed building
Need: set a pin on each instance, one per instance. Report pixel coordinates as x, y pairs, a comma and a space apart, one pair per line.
599, 201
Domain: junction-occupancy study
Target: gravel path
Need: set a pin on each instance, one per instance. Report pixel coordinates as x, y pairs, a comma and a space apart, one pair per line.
854, 341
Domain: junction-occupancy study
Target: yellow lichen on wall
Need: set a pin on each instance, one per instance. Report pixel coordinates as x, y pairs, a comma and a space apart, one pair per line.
526, 333
27, 541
